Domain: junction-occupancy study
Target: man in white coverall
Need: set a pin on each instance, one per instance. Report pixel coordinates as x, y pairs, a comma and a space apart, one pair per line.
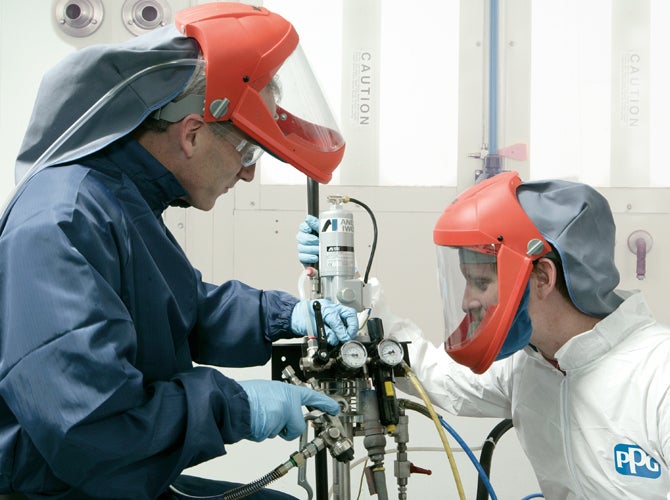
537, 333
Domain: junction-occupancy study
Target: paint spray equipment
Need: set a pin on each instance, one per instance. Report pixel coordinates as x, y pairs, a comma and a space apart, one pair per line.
337, 262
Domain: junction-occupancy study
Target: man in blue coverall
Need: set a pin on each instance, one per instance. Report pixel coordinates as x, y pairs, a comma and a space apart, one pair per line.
101, 313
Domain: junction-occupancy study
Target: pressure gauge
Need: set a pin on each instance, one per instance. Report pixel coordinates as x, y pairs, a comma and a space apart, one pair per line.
353, 354
390, 352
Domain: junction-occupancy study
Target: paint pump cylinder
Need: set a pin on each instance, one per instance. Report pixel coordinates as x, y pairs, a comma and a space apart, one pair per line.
337, 263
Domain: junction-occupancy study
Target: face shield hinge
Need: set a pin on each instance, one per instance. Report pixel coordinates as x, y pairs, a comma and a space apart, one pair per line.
219, 107
534, 247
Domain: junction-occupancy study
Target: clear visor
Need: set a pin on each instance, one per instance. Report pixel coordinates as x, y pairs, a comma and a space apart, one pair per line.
468, 278
299, 107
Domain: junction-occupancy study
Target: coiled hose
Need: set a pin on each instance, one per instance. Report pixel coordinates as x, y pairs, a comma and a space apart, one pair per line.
257, 485
244, 490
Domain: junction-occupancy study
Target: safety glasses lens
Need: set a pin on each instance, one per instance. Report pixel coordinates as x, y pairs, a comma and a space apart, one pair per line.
249, 153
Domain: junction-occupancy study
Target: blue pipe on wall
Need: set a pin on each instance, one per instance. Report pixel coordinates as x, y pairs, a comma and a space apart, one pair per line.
493, 76
492, 161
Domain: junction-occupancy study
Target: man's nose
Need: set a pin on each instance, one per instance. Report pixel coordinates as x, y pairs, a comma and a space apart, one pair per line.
247, 173
470, 301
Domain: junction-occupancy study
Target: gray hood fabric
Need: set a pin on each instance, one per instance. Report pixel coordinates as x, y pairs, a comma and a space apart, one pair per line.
74, 85
577, 221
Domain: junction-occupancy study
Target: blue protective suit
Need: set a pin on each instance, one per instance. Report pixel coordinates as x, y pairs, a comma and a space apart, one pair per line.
101, 316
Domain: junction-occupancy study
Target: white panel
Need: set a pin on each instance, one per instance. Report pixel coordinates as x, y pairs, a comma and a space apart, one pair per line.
362, 66
658, 90
514, 90
420, 91
631, 98
570, 99
599, 92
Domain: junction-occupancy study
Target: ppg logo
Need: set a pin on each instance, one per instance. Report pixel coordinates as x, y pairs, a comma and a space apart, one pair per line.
631, 460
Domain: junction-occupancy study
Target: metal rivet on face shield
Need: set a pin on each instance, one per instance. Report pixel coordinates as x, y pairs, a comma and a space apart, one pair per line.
534, 247
219, 107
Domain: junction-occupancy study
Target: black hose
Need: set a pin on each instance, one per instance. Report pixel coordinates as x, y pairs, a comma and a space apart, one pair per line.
245, 490
374, 237
487, 449
411, 405
487, 454
241, 491
321, 469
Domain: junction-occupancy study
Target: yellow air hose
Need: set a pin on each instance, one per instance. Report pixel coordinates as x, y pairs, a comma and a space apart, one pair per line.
417, 385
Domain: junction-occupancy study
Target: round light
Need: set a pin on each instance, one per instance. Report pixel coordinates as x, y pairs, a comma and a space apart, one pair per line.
79, 17
142, 16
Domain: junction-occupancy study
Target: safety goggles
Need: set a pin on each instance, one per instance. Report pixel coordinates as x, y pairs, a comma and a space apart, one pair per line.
250, 151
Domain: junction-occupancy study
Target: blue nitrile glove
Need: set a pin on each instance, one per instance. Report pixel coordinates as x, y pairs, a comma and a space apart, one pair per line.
341, 322
276, 408
308, 242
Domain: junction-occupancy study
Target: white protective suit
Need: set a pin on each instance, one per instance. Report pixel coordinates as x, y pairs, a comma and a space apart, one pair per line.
599, 431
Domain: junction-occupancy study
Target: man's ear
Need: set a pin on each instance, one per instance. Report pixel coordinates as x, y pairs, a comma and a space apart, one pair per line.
545, 273
190, 128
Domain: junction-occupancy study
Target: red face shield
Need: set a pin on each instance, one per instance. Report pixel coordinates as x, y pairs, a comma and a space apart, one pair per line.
486, 248
252, 53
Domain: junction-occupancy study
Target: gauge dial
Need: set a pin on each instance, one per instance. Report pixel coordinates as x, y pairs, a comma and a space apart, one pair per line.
390, 352
353, 354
